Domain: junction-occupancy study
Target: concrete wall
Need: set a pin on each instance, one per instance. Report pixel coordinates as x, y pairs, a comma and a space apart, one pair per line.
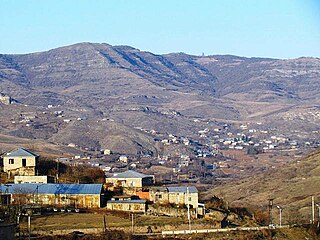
33, 179
170, 211
128, 207
130, 182
159, 197
177, 198
17, 164
67, 200
181, 198
125, 182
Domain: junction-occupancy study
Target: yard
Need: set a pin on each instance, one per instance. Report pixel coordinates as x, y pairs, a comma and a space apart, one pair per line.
65, 221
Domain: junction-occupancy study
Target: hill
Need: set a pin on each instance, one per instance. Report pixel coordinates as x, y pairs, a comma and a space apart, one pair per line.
290, 187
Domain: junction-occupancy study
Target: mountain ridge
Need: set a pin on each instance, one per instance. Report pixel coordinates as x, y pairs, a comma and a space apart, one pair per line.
161, 92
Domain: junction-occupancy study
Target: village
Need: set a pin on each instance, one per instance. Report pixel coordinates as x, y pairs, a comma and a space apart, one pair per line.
128, 191
25, 194
212, 153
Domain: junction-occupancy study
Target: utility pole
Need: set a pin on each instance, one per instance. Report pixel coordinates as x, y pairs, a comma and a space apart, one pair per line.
29, 226
188, 206
318, 205
57, 176
104, 223
270, 210
280, 215
132, 222
18, 224
313, 215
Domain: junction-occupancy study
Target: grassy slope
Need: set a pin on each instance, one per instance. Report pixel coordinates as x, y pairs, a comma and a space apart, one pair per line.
291, 187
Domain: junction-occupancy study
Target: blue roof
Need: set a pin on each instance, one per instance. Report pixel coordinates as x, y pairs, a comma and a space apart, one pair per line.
127, 201
183, 189
51, 188
21, 152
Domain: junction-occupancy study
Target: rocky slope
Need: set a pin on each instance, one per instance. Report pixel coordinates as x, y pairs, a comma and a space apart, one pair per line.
137, 89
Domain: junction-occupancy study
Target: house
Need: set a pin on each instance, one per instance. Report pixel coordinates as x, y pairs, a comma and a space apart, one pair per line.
159, 195
131, 180
107, 152
175, 195
183, 195
20, 162
67, 195
5, 99
33, 179
128, 205
123, 159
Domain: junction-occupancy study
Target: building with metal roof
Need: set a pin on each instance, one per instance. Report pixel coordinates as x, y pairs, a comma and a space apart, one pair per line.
130, 181
20, 162
77, 195
22, 152
131, 174
179, 195
182, 189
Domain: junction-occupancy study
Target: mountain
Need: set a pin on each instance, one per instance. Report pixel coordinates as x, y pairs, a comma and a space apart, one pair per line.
137, 90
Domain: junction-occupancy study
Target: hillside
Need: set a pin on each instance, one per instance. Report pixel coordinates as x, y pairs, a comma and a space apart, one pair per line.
291, 187
136, 90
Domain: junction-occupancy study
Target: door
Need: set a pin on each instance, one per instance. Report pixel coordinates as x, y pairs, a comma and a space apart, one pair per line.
24, 162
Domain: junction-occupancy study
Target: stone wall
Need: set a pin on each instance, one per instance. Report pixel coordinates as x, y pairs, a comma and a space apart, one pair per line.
170, 211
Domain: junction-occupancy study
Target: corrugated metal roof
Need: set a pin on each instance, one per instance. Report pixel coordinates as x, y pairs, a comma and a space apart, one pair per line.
126, 201
192, 189
51, 188
130, 174
22, 152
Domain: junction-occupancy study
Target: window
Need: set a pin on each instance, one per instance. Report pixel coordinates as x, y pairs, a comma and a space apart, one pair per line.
189, 199
24, 162
11, 161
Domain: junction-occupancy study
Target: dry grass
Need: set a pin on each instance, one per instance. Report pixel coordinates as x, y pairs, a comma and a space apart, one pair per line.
65, 221
291, 187
75, 220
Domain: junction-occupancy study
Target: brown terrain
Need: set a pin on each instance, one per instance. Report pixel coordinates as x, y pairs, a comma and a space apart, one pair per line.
110, 93
290, 187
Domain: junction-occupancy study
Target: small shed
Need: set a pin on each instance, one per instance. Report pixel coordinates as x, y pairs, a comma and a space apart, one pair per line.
128, 205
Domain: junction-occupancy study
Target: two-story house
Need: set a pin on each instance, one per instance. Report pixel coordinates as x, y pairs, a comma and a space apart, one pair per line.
180, 195
20, 162
131, 181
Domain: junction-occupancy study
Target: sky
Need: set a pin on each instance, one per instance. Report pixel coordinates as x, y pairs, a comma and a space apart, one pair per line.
251, 28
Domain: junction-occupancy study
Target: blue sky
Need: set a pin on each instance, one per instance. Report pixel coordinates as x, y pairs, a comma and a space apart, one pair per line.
261, 28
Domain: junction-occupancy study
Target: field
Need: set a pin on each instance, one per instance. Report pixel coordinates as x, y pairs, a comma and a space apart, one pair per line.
71, 221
